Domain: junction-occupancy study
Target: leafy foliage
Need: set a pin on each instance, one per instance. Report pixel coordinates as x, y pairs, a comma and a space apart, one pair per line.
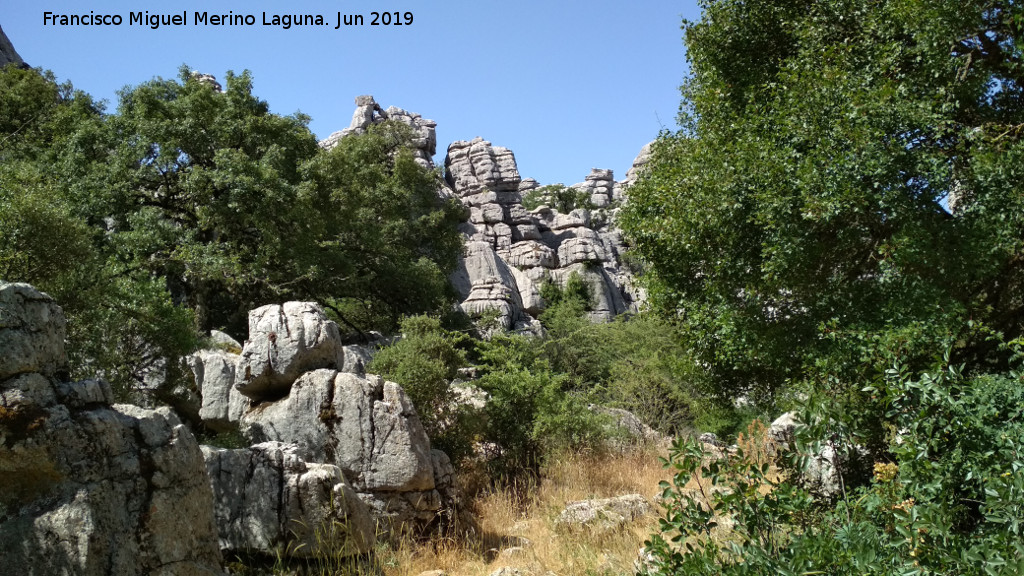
946, 501
425, 361
189, 206
844, 190
560, 197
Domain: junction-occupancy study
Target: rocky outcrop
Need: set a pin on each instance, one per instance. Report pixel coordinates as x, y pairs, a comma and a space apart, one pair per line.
511, 251
362, 426
8, 55
269, 498
284, 342
90, 487
221, 403
368, 112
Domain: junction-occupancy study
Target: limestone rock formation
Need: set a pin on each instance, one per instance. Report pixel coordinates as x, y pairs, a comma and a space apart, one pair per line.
221, 403
8, 55
511, 252
269, 499
284, 342
358, 424
368, 112
90, 487
365, 426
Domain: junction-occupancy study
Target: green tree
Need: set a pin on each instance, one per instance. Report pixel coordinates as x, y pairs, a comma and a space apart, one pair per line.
846, 188
188, 206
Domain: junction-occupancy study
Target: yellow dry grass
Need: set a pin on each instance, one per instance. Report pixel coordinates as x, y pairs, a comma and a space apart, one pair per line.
518, 524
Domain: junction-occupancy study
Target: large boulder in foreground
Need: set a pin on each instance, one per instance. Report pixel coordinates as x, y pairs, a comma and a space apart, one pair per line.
89, 487
369, 430
363, 425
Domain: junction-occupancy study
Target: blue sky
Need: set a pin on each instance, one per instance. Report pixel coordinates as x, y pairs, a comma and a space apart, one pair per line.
568, 86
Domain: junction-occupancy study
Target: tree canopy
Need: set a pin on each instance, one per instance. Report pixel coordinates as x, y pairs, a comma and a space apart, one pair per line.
188, 206
845, 186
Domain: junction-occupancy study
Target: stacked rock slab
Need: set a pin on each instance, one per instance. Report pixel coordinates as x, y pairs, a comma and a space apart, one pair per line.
511, 251
90, 487
269, 498
358, 425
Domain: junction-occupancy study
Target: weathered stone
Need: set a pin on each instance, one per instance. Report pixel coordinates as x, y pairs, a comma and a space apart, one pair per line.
531, 254
492, 213
516, 214
607, 300
214, 373
284, 342
91, 488
523, 232
578, 218
627, 424
604, 514
365, 426
485, 282
639, 163
32, 329
222, 341
580, 250
476, 166
268, 499
529, 293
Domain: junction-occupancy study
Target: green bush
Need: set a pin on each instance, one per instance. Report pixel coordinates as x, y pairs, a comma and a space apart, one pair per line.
947, 496
425, 361
562, 198
531, 415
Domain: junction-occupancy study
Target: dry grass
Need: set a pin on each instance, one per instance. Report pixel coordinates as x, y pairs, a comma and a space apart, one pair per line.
518, 524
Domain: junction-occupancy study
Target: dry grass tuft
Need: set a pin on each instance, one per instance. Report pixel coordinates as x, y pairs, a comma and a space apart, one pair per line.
518, 523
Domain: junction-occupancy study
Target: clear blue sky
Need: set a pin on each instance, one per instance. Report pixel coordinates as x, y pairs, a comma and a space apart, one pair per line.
568, 86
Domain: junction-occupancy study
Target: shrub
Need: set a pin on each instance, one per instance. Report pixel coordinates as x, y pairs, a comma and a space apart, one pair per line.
946, 496
562, 198
425, 361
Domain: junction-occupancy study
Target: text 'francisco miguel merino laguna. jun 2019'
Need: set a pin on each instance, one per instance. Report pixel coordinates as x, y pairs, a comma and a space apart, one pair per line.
285, 21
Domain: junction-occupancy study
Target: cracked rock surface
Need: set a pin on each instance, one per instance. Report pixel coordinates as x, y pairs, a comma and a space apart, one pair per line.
90, 487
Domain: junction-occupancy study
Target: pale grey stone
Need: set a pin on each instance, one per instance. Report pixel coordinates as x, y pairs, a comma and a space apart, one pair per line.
365, 426
639, 163
214, 373
523, 232
32, 331
531, 254
476, 166
492, 213
270, 500
284, 342
485, 282
604, 514
575, 219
